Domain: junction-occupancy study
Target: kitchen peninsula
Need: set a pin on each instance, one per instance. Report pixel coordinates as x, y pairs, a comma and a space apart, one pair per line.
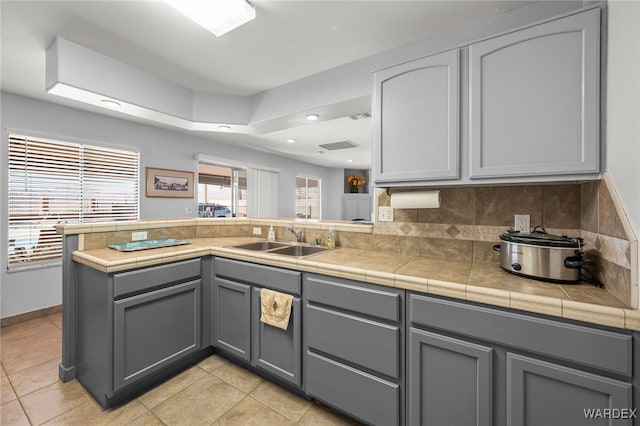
408, 310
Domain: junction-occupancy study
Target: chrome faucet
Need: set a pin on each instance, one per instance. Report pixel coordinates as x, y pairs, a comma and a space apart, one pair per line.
296, 232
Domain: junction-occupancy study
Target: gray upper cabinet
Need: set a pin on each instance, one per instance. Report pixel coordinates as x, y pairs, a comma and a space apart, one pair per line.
416, 110
534, 100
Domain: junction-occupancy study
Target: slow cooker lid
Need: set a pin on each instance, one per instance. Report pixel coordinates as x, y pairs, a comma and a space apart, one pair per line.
540, 238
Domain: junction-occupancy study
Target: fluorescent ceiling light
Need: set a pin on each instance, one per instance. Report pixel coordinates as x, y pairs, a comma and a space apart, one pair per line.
217, 16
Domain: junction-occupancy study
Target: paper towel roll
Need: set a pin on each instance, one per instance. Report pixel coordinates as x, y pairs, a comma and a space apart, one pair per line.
416, 200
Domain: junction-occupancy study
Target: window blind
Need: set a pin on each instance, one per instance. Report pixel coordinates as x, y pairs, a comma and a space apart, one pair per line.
262, 193
54, 182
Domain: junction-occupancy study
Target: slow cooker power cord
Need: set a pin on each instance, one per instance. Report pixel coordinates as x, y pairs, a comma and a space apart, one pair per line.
589, 277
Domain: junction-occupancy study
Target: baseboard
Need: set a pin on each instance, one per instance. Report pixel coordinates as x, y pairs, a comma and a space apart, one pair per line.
4, 322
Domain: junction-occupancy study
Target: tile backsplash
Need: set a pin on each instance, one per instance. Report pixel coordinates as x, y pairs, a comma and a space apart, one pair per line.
470, 219
465, 227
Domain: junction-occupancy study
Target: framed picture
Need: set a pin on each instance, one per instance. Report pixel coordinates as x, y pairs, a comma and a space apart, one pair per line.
169, 183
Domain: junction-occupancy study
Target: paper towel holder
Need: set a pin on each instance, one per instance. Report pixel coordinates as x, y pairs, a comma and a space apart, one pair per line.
416, 198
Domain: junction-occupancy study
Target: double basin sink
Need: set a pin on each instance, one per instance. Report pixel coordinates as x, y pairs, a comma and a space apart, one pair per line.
285, 249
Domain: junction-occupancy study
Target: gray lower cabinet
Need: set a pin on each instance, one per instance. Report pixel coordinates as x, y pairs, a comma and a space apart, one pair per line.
232, 318
353, 336
237, 329
450, 381
152, 330
135, 328
477, 365
541, 393
275, 350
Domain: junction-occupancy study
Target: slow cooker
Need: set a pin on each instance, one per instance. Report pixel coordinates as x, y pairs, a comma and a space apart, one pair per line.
542, 256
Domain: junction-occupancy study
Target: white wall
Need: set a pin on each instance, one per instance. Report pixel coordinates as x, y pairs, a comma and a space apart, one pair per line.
623, 105
31, 290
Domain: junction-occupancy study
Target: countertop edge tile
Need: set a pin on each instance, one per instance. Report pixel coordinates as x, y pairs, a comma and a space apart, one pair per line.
379, 277
538, 304
353, 273
632, 319
490, 296
408, 282
445, 288
597, 314
308, 265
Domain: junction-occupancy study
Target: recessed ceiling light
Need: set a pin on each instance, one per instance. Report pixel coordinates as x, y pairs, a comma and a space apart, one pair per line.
349, 161
292, 140
108, 103
312, 117
224, 128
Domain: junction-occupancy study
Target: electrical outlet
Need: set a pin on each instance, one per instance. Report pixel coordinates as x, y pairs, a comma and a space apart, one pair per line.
522, 223
139, 236
188, 210
385, 214
257, 231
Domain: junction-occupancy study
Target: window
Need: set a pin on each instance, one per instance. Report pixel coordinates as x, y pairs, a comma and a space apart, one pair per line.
53, 182
307, 198
222, 191
246, 190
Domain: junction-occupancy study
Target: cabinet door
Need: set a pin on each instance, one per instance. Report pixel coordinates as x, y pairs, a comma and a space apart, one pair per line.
546, 394
449, 381
356, 206
276, 350
232, 318
534, 100
153, 330
416, 107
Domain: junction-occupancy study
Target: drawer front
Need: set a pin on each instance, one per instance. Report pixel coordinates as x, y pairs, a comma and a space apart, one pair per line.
370, 344
376, 301
142, 279
364, 396
606, 350
265, 276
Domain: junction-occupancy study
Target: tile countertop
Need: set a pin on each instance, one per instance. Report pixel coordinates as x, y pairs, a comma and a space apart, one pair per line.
478, 282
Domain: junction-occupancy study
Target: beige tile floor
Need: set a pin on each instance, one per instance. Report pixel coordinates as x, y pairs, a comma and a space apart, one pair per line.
214, 392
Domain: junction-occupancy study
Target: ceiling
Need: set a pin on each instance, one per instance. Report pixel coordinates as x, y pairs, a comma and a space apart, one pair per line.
287, 41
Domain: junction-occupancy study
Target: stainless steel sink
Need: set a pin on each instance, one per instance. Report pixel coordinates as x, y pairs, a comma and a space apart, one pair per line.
261, 245
298, 251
